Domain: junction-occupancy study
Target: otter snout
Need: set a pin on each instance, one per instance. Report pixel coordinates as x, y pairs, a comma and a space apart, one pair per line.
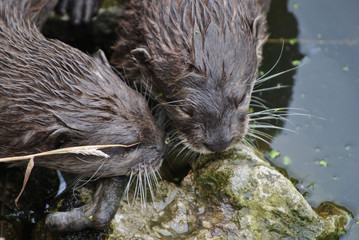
218, 146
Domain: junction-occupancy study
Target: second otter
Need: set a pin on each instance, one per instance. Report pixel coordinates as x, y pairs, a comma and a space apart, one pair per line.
199, 58
54, 96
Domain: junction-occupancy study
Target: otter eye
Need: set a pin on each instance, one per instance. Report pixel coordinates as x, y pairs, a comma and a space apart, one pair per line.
241, 100
185, 111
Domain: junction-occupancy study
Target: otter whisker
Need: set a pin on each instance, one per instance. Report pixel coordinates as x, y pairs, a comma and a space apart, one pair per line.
189, 154
259, 80
253, 97
280, 73
249, 143
155, 175
268, 111
259, 120
143, 188
127, 189
267, 126
149, 183
263, 134
145, 179
257, 137
277, 114
136, 189
171, 103
262, 106
148, 95
269, 117
185, 146
175, 146
93, 175
83, 160
270, 88
258, 104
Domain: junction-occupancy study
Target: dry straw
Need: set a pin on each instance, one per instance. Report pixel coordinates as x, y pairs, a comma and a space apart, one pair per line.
84, 150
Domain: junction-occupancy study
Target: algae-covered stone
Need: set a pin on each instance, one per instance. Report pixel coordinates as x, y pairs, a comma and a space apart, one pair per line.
235, 195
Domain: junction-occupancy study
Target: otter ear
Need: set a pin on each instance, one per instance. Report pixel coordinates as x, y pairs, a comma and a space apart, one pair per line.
141, 56
58, 138
259, 31
101, 58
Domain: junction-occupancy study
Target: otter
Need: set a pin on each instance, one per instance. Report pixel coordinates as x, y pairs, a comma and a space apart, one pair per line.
199, 59
54, 96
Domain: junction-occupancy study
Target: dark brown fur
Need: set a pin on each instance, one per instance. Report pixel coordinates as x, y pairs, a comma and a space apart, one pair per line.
54, 96
199, 58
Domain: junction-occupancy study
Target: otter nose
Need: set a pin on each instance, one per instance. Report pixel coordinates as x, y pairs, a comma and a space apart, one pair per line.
217, 147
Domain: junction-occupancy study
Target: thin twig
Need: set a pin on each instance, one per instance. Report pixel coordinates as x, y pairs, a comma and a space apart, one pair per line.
85, 150
29, 168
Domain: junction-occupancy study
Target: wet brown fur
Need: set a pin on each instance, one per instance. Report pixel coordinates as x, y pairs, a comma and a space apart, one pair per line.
200, 59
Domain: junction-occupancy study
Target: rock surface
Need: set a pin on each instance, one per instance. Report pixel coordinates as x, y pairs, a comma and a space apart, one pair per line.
235, 195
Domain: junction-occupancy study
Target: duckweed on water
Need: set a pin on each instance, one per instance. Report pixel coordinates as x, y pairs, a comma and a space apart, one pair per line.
274, 154
295, 63
323, 163
293, 41
287, 160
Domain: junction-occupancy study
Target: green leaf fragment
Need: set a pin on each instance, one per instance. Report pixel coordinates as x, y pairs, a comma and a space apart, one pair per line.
357, 222
274, 154
295, 63
90, 217
261, 73
293, 41
287, 160
346, 68
197, 32
160, 95
295, 5
311, 185
323, 163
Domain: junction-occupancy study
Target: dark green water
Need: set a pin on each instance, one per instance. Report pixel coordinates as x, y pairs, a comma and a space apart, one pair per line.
327, 86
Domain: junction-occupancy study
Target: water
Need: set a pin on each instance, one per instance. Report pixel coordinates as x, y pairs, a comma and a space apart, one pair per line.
326, 86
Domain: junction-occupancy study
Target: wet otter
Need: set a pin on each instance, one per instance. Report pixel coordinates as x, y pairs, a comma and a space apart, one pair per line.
54, 96
199, 58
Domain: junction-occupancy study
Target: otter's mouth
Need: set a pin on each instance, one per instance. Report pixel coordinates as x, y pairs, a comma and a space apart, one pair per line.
203, 148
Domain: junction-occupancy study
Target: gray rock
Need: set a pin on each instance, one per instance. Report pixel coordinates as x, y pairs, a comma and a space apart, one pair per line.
235, 195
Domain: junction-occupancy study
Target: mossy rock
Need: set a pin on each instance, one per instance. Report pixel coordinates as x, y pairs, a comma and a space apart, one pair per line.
235, 195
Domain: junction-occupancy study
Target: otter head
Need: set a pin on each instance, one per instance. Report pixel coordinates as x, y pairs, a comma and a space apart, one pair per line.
201, 63
64, 98
107, 112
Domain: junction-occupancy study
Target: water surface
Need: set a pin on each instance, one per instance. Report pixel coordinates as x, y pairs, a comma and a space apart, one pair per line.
327, 86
